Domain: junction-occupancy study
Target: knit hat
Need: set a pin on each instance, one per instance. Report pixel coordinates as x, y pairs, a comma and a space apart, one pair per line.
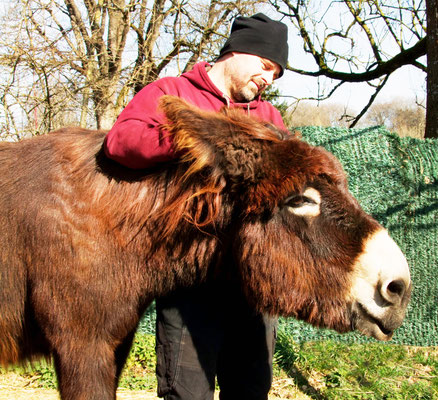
261, 36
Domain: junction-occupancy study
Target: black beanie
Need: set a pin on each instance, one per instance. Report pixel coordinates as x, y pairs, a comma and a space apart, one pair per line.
261, 36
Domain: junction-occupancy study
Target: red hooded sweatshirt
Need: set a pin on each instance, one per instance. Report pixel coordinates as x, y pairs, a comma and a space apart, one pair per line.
136, 139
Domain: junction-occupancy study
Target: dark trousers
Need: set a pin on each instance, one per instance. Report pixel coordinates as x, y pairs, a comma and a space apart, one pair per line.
212, 332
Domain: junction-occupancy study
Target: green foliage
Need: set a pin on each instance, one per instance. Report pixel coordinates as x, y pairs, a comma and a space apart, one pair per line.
45, 374
286, 351
139, 372
143, 353
41, 373
333, 370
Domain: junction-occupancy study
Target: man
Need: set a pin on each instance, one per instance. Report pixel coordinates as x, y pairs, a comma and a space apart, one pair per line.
209, 331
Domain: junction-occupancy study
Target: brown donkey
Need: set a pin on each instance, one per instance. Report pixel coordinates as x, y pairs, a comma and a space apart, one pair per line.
86, 244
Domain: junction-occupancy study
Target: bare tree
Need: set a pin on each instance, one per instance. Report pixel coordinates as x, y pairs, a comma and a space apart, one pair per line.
33, 85
88, 57
307, 113
399, 115
366, 41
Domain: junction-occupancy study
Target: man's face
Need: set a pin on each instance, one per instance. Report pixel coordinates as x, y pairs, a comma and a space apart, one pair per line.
248, 75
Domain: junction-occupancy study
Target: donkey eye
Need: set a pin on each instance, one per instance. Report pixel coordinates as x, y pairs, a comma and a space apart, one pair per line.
298, 201
306, 204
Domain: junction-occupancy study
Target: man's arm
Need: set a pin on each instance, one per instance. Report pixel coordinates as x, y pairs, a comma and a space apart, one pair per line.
136, 139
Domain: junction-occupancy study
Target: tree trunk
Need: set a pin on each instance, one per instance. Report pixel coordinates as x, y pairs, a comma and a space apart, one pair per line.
105, 115
432, 70
104, 96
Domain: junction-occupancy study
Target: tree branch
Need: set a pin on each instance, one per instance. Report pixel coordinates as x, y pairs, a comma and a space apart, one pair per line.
370, 102
406, 57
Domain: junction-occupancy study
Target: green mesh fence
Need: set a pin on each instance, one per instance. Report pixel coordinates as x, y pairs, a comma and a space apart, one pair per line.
395, 180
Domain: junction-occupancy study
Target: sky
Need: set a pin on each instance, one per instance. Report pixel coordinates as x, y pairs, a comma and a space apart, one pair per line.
408, 83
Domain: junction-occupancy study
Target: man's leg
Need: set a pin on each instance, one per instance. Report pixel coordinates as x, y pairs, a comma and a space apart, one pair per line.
189, 336
245, 361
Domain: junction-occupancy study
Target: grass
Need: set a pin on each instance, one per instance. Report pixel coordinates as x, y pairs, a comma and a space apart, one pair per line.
315, 370
332, 370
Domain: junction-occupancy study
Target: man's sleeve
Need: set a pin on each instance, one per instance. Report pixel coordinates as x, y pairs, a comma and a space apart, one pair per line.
136, 139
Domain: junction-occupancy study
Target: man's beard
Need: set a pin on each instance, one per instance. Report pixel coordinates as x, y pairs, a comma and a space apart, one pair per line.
244, 93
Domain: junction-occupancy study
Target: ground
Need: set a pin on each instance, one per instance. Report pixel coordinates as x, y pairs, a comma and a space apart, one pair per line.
16, 387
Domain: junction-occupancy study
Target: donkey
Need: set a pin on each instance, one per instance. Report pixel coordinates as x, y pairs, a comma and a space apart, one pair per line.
86, 244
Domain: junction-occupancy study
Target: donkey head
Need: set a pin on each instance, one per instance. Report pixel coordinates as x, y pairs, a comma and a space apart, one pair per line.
304, 246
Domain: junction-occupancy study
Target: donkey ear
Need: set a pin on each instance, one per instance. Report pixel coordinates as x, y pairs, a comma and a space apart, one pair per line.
229, 142
189, 128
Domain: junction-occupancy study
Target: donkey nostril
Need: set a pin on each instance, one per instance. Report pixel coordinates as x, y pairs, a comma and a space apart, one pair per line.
396, 288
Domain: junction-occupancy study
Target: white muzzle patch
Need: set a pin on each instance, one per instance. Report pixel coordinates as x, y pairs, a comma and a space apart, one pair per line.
381, 287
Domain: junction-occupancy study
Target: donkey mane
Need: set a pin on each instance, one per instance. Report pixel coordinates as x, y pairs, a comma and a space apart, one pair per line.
192, 188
